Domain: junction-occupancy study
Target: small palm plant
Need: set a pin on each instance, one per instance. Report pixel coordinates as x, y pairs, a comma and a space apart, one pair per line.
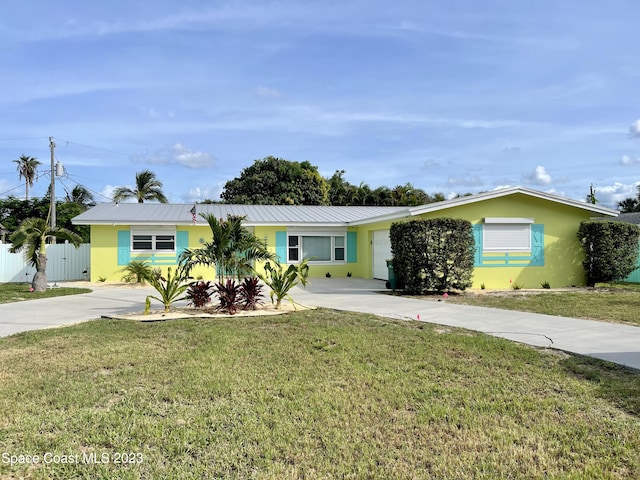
138, 269
280, 281
170, 288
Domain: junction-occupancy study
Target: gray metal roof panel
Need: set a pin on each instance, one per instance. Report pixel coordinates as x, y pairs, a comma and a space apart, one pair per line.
154, 213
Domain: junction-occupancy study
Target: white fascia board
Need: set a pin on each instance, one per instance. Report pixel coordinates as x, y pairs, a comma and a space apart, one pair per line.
382, 218
503, 220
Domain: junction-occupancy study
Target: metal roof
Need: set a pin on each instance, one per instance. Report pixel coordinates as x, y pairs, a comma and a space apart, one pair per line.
296, 215
179, 214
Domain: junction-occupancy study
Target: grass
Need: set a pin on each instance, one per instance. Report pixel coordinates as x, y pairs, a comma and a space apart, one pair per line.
608, 302
315, 394
18, 292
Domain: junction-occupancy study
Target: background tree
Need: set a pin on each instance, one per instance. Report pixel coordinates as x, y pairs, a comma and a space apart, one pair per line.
31, 238
81, 196
13, 211
148, 187
27, 169
591, 196
275, 181
629, 205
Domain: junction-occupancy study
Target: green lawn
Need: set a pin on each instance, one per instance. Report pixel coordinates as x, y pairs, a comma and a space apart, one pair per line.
315, 394
612, 302
18, 292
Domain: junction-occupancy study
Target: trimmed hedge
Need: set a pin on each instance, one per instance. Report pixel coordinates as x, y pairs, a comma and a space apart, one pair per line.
433, 255
610, 248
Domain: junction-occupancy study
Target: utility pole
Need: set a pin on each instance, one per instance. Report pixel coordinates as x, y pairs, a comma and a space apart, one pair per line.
52, 147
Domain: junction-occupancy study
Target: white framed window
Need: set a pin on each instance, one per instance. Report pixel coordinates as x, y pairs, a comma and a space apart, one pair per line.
329, 247
508, 234
153, 240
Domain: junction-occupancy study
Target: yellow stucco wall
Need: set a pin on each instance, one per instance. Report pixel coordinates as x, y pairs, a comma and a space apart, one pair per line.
562, 254
562, 262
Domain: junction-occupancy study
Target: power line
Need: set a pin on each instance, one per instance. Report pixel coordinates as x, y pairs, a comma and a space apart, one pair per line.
96, 148
21, 138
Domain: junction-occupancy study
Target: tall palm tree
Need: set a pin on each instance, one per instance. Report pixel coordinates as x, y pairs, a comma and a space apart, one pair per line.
27, 169
81, 195
148, 187
231, 250
31, 238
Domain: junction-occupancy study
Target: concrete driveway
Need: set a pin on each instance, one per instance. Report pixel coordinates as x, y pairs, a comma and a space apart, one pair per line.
616, 343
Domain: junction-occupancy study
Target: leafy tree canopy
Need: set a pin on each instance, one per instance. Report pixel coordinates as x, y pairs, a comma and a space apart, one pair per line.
276, 181
14, 211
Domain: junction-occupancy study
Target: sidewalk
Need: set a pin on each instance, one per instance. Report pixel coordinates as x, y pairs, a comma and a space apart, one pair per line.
607, 341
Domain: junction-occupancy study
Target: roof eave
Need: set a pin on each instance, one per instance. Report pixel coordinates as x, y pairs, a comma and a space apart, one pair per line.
456, 202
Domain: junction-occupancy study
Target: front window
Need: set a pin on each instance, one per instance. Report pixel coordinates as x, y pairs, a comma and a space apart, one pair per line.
150, 241
318, 248
507, 235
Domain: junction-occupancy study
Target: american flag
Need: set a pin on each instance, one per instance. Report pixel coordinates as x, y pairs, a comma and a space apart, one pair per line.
193, 214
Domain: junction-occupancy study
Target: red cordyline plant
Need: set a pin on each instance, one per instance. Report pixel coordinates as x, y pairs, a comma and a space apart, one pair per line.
251, 293
199, 293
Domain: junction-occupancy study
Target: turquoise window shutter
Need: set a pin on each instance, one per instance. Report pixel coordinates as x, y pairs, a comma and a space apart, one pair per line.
124, 247
477, 237
537, 245
352, 247
281, 246
182, 243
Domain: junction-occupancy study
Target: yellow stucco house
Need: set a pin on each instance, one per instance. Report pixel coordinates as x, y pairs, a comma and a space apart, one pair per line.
523, 236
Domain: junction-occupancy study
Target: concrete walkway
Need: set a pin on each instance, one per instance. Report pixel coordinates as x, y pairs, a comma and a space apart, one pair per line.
616, 343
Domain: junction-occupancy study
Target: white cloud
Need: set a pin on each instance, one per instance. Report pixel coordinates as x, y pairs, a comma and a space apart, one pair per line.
106, 193
268, 92
177, 154
511, 150
206, 192
629, 160
465, 181
634, 129
612, 194
539, 176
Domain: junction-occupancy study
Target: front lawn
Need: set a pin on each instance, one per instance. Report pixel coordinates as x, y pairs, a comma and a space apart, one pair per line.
314, 394
611, 302
18, 292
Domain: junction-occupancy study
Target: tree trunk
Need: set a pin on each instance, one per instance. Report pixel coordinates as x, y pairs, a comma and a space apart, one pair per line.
39, 282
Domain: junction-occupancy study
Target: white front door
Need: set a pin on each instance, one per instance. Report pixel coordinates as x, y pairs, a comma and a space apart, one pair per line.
381, 253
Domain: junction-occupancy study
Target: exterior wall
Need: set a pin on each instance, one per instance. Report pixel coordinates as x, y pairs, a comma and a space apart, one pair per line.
274, 245
561, 265
105, 261
634, 277
563, 257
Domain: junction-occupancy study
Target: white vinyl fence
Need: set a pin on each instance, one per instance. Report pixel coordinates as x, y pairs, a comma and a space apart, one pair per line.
64, 263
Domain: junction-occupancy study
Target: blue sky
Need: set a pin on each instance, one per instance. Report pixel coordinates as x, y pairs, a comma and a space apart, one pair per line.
453, 96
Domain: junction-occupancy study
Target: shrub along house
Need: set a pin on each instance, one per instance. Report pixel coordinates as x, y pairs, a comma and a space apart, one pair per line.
522, 236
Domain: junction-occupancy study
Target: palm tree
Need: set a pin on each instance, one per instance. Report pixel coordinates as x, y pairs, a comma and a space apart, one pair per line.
31, 238
81, 195
231, 250
629, 205
148, 187
27, 169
